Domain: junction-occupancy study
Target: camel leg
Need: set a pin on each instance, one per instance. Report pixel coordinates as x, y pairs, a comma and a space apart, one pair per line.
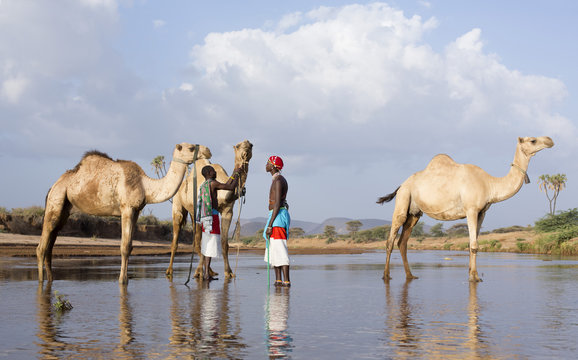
402, 243
55, 216
473, 217
197, 249
225, 225
400, 214
129, 218
179, 220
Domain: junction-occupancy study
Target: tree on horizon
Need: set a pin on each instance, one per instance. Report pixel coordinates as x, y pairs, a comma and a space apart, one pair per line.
353, 227
556, 183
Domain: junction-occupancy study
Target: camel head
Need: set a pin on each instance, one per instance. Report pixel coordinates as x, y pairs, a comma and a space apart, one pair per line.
185, 153
531, 145
243, 153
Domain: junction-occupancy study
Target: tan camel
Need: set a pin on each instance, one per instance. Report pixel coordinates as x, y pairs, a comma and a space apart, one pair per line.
101, 186
183, 205
446, 190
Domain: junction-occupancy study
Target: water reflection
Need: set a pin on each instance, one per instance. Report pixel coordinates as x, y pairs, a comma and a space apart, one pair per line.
202, 325
404, 331
276, 316
475, 341
127, 347
48, 332
411, 337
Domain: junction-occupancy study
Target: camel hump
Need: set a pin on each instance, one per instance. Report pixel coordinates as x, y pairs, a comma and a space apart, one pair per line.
440, 161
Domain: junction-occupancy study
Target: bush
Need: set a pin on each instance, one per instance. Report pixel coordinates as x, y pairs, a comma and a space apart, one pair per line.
330, 240
523, 246
510, 229
562, 220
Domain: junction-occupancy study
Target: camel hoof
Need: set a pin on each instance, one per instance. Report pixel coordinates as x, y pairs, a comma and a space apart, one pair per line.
230, 275
411, 277
386, 277
475, 279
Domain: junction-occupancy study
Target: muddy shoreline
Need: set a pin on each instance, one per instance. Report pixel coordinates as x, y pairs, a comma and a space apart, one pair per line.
25, 245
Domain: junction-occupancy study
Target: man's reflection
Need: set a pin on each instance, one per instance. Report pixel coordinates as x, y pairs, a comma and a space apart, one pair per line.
276, 316
201, 322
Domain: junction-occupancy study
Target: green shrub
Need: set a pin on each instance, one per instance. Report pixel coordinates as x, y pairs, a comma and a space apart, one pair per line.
550, 223
448, 246
523, 246
510, 229
330, 240
569, 248
464, 246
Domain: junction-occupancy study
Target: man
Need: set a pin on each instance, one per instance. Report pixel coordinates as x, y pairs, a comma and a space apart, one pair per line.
208, 215
277, 227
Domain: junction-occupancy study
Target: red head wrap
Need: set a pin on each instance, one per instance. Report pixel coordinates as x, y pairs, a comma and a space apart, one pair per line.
276, 161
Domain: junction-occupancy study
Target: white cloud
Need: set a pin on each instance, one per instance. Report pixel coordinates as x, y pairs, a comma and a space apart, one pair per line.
359, 73
13, 88
157, 24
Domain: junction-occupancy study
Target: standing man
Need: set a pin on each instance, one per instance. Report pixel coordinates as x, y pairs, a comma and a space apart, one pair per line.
208, 215
277, 227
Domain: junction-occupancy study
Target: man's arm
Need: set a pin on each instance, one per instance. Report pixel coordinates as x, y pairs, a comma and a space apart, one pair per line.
276, 206
231, 184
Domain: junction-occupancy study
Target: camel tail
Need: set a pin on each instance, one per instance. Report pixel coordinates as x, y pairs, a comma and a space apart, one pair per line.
387, 198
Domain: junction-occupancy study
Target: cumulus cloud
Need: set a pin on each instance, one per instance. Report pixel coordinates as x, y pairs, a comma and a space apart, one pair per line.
363, 76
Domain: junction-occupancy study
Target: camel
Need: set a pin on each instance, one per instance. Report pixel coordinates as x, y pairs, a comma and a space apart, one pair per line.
446, 190
101, 186
183, 205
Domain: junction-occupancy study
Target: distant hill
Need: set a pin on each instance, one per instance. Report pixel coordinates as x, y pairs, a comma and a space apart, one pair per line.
251, 226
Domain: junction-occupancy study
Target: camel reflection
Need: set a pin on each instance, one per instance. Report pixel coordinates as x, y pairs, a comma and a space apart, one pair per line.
403, 329
127, 345
48, 324
201, 322
411, 337
475, 341
276, 316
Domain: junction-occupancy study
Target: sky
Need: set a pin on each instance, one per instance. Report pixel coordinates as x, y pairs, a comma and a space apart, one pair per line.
355, 96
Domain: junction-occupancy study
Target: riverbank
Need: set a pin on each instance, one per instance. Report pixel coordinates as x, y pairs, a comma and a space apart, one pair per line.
25, 245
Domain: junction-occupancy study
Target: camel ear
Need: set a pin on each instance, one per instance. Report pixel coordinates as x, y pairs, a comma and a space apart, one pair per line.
179, 147
520, 140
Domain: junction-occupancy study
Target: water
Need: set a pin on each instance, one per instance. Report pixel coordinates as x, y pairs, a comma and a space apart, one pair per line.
338, 307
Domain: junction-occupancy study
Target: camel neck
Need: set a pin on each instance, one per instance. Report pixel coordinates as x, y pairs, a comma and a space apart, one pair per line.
505, 187
160, 190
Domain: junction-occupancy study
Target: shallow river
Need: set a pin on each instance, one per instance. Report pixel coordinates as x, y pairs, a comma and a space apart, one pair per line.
338, 308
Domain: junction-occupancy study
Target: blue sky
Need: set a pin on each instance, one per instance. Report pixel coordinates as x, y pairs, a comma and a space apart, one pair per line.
355, 96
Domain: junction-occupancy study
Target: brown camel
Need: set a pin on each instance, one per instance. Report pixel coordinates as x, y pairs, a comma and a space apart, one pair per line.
183, 205
101, 186
446, 190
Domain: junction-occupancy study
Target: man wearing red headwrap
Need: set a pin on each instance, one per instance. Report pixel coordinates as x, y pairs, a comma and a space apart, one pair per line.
277, 227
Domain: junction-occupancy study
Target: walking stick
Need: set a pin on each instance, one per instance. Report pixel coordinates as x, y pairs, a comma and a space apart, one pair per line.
194, 210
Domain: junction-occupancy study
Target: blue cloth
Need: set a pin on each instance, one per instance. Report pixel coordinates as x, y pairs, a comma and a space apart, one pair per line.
282, 220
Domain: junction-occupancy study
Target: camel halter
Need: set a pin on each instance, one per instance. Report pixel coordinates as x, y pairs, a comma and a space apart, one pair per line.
184, 162
194, 209
526, 177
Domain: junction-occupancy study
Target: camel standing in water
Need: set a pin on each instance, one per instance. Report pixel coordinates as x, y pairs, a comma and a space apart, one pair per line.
446, 190
101, 186
183, 205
